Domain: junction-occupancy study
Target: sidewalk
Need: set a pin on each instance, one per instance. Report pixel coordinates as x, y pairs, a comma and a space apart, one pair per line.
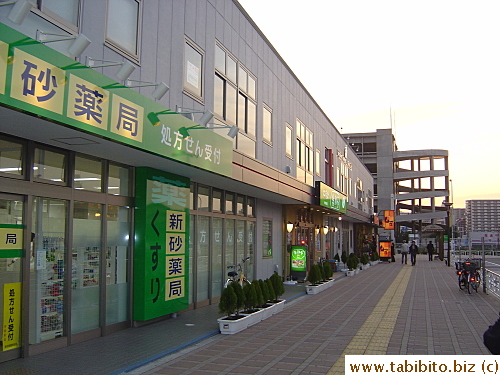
387, 309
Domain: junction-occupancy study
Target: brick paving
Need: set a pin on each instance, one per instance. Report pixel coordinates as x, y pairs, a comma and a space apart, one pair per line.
308, 337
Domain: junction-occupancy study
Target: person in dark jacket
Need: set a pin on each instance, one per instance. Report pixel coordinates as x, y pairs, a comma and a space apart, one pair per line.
430, 250
413, 253
491, 338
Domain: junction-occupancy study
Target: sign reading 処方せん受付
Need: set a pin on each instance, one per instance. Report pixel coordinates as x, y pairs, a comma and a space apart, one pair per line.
161, 257
38, 80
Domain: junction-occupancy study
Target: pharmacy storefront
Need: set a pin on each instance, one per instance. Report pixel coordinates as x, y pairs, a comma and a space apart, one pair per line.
94, 183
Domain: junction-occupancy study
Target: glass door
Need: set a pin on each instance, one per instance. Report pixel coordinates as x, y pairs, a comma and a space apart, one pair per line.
11, 250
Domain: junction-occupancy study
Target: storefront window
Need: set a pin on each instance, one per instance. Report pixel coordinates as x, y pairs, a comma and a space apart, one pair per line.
229, 234
85, 266
118, 180
11, 157
117, 265
49, 165
202, 258
216, 200
47, 261
250, 248
240, 241
229, 203
240, 205
267, 238
203, 198
217, 271
88, 174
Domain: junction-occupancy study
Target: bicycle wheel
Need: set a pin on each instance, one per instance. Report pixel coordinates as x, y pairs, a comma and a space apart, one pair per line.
469, 276
461, 281
475, 281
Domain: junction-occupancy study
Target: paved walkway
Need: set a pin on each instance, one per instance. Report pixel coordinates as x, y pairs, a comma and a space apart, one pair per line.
387, 309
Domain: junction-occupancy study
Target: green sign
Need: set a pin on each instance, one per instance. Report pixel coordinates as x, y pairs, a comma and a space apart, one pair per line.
299, 258
11, 240
38, 80
332, 198
161, 256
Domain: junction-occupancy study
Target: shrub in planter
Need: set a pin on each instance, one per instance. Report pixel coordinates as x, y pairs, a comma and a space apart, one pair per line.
321, 272
258, 292
250, 298
272, 294
375, 256
265, 290
327, 270
314, 275
364, 258
228, 301
352, 261
240, 296
344, 258
336, 257
278, 286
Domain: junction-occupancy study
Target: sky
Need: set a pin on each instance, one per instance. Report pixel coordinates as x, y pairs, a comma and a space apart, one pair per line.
434, 64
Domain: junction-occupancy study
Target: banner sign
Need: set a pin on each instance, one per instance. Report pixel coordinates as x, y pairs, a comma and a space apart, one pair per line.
388, 222
299, 258
11, 332
384, 249
36, 79
161, 257
331, 198
11, 241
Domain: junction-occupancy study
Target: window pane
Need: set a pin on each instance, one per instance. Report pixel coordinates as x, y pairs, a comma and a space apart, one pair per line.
230, 104
67, 9
231, 69
250, 249
266, 124
250, 207
202, 258
122, 26
240, 243
288, 140
242, 113
240, 205
251, 87
117, 265
229, 234
11, 157
242, 80
193, 70
220, 60
88, 174
229, 203
218, 273
251, 119
216, 200
267, 238
86, 252
219, 96
118, 180
246, 145
49, 165
49, 254
203, 195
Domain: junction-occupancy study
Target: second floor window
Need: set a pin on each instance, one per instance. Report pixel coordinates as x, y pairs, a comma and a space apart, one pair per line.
267, 125
124, 25
193, 70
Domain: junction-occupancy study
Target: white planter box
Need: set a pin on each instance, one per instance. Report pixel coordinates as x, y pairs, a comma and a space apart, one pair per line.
267, 312
279, 306
254, 317
230, 327
350, 273
313, 289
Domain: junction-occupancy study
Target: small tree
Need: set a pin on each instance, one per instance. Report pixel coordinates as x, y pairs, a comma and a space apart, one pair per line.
272, 294
327, 270
352, 261
364, 258
321, 272
314, 275
375, 256
240, 296
250, 297
258, 292
344, 257
336, 257
265, 290
227, 303
278, 286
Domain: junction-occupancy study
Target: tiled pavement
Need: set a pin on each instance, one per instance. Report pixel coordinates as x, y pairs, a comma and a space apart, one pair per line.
389, 308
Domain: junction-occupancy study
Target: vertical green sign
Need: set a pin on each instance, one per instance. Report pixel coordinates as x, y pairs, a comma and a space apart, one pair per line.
161, 256
299, 258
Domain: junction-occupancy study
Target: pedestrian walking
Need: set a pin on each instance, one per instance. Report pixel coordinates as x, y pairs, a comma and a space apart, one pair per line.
405, 248
413, 253
430, 250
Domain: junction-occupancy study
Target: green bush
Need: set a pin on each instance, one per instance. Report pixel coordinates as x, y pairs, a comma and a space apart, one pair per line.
314, 275
344, 257
352, 261
278, 286
364, 258
258, 292
265, 290
272, 294
240, 296
336, 257
228, 301
250, 297
327, 270
375, 256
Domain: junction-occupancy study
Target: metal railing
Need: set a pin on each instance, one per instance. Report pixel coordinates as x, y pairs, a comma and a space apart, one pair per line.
493, 283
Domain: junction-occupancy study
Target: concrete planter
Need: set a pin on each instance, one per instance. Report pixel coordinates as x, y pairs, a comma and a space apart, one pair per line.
350, 273
230, 327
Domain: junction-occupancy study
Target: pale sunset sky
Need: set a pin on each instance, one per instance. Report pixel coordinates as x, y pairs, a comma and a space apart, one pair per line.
434, 62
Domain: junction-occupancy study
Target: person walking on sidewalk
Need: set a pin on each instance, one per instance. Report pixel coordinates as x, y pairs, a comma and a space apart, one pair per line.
413, 253
405, 248
430, 250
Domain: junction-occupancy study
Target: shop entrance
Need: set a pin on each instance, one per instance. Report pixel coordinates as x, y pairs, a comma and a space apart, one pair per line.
11, 250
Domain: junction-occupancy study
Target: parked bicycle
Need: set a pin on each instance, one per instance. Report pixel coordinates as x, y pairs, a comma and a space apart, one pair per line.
237, 275
469, 277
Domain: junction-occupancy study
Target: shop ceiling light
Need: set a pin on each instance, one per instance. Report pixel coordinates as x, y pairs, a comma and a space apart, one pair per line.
159, 91
80, 41
126, 67
19, 11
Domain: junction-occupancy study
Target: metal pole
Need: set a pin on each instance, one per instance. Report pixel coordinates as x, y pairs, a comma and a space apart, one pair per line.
484, 266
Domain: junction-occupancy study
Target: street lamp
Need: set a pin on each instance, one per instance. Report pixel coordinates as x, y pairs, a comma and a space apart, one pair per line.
448, 209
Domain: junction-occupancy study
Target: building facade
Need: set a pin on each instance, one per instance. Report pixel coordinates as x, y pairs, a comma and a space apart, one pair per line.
145, 146
412, 183
482, 218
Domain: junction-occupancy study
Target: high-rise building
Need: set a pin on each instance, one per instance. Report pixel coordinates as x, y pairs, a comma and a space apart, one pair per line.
483, 222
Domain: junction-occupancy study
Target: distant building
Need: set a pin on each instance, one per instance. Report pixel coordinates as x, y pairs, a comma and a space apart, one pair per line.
414, 183
483, 222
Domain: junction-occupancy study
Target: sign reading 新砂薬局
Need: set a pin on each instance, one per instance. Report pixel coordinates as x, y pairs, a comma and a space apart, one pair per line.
38, 80
331, 198
161, 257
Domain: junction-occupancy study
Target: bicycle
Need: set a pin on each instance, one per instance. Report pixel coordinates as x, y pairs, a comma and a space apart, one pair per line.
237, 275
468, 275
